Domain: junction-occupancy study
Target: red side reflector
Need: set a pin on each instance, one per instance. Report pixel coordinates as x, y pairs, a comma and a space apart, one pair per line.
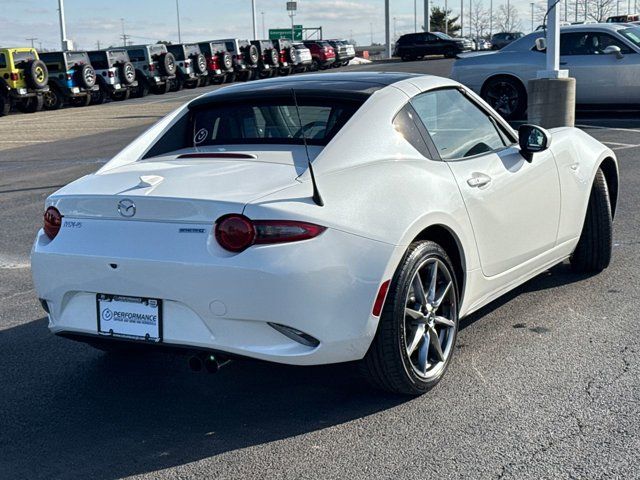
382, 295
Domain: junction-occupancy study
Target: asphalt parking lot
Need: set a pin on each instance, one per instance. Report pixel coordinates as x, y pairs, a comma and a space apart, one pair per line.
544, 382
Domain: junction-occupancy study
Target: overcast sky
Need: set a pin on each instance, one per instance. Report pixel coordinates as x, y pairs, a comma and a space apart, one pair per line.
152, 20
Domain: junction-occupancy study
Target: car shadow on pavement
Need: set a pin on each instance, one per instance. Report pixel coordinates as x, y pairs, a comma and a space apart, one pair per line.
556, 276
69, 411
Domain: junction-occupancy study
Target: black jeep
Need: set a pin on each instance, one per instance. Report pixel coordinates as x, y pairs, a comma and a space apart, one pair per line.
244, 56
116, 75
268, 58
192, 66
288, 58
71, 79
219, 62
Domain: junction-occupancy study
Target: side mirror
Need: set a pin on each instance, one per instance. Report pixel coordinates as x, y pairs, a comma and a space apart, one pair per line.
532, 139
541, 44
614, 50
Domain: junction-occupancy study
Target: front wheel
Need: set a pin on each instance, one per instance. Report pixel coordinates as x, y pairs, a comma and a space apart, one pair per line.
53, 99
5, 105
593, 253
506, 96
84, 101
418, 325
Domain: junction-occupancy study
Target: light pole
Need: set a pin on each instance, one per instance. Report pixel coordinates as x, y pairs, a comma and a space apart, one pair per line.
446, 18
387, 34
415, 15
291, 10
532, 16
491, 18
264, 35
253, 19
395, 34
427, 16
63, 28
178, 16
462, 18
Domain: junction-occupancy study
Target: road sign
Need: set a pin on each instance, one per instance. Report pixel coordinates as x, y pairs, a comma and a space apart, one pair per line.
276, 33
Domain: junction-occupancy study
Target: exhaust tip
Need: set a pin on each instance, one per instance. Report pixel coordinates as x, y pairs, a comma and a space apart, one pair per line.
195, 363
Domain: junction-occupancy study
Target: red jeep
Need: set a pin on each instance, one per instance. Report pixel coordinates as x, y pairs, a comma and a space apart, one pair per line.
322, 54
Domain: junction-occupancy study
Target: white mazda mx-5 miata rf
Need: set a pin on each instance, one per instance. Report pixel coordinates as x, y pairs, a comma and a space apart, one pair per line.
321, 219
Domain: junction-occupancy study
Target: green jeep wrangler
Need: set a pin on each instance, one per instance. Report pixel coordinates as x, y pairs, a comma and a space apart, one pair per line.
23, 80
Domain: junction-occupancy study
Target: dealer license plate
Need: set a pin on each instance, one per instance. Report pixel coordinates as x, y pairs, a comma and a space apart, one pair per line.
130, 317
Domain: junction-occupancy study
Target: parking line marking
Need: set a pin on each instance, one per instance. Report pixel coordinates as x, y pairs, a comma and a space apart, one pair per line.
598, 127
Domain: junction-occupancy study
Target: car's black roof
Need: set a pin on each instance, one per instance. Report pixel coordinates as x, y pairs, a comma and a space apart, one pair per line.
345, 84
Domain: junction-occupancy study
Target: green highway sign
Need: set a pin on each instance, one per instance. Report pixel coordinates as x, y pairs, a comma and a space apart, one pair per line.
276, 33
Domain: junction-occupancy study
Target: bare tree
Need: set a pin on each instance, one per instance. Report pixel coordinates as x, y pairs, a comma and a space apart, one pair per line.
507, 19
598, 10
479, 19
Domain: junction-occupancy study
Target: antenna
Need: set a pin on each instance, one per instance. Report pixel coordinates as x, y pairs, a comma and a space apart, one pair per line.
316, 193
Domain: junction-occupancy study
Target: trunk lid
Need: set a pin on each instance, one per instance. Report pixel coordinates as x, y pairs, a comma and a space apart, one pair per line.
188, 186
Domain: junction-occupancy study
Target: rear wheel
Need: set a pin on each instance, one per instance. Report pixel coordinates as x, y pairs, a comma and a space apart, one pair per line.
161, 89
593, 253
419, 323
176, 85
31, 104
449, 52
5, 105
80, 101
53, 99
121, 96
98, 97
506, 96
142, 90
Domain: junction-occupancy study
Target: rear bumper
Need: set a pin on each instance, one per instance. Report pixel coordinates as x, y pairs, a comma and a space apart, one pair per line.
212, 300
20, 93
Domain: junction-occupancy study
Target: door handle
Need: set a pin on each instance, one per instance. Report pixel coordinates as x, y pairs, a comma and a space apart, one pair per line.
478, 180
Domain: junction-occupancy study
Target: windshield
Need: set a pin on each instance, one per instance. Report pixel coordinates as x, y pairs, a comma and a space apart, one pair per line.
632, 34
442, 35
273, 121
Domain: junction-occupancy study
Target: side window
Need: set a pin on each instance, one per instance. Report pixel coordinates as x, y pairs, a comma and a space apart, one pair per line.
230, 46
430, 38
589, 43
457, 126
137, 55
405, 124
3, 61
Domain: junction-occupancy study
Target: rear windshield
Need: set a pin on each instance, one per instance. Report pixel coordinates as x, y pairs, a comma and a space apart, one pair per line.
191, 50
256, 122
77, 58
177, 51
118, 56
23, 57
270, 121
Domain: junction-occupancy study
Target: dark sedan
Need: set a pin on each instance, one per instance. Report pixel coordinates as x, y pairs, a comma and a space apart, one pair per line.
414, 46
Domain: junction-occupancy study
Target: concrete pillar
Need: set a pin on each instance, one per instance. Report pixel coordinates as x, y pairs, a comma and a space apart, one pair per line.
552, 102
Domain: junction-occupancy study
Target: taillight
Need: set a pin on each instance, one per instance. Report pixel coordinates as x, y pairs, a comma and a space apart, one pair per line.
152, 67
111, 74
237, 232
52, 222
283, 57
69, 76
15, 77
240, 56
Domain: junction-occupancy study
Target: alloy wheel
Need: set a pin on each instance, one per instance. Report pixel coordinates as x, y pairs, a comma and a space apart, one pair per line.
430, 318
503, 97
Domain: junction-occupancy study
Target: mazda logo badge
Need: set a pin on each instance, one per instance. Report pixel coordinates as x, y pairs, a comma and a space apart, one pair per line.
126, 208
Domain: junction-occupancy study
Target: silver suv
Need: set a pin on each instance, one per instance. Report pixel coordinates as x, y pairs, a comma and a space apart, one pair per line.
155, 68
192, 66
115, 75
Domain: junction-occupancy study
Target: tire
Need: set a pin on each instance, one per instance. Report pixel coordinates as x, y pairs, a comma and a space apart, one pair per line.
230, 77
449, 52
121, 96
176, 85
252, 54
127, 73
31, 104
593, 252
36, 74
292, 56
5, 105
507, 96
225, 60
274, 57
84, 101
98, 97
162, 89
142, 90
167, 63
389, 364
199, 63
53, 99
85, 76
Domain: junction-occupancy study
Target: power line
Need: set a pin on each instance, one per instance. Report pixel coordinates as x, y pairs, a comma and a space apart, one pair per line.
32, 40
